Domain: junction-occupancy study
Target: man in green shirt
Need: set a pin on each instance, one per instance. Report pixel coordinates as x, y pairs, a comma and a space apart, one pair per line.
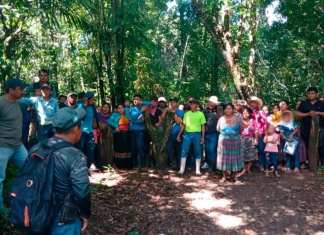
193, 127
11, 121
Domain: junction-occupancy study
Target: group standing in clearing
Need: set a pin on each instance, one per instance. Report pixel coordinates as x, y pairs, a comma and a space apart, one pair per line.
230, 138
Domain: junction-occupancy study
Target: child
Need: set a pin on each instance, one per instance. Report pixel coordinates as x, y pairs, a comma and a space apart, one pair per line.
289, 130
272, 141
248, 141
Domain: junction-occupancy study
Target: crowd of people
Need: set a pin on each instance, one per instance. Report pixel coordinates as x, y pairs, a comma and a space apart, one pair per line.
231, 138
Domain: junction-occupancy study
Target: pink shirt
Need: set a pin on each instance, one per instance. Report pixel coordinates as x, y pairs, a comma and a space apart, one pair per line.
260, 121
272, 142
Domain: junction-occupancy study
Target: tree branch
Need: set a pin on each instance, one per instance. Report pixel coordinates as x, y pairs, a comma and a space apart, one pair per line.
11, 36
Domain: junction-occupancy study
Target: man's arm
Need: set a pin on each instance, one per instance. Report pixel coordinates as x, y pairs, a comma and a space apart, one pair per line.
180, 132
28, 100
80, 186
135, 115
302, 115
320, 114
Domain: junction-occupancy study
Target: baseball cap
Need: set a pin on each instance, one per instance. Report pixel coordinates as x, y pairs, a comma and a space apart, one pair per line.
193, 101
89, 95
66, 118
162, 99
45, 86
72, 94
14, 83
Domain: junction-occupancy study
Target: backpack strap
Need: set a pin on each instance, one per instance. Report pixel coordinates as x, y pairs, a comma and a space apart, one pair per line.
59, 145
44, 151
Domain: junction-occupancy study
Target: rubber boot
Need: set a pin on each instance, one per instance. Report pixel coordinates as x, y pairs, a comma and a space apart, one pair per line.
182, 166
198, 161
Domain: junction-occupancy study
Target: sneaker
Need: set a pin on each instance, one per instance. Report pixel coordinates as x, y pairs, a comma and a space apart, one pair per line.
205, 166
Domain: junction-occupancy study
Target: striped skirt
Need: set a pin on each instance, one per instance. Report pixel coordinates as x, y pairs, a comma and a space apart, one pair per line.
229, 156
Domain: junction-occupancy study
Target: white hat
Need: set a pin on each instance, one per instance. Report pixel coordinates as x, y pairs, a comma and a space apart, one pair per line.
214, 99
162, 99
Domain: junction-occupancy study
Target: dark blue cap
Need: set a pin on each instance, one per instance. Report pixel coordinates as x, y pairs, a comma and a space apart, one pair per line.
89, 95
45, 86
66, 118
14, 83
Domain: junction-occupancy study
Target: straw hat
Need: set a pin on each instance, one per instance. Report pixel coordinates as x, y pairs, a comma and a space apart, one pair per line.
255, 99
214, 99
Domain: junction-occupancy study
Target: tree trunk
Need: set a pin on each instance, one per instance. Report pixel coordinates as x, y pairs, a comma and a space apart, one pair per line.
220, 32
119, 49
159, 137
313, 144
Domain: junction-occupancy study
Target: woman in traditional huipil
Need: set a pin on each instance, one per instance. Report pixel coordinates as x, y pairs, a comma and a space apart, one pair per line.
229, 158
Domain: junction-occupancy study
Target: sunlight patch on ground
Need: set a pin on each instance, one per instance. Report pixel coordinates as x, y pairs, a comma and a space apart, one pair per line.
216, 208
110, 178
227, 221
204, 200
176, 179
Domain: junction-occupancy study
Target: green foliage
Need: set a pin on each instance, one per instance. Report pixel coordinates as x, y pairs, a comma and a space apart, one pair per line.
120, 48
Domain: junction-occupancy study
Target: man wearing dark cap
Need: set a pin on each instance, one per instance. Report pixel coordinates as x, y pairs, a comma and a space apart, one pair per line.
11, 147
71, 183
45, 107
62, 101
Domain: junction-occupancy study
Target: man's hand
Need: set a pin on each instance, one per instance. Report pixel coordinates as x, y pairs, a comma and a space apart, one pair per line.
117, 129
312, 114
178, 138
202, 140
85, 223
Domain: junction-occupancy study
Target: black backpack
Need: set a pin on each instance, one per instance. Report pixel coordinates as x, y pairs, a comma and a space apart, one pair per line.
31, 197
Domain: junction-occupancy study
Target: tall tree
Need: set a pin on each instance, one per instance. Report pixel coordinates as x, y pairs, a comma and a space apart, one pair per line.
229, 35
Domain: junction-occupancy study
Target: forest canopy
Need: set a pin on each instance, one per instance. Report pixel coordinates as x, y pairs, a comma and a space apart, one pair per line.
181, 48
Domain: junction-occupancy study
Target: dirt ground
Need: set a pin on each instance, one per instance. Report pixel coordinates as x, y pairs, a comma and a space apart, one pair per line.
161, 202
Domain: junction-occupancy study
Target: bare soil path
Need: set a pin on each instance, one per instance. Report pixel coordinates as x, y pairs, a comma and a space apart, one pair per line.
161, 202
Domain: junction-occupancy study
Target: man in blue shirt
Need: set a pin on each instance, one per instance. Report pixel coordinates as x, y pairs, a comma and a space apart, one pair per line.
87, 142
137, 128
45, 107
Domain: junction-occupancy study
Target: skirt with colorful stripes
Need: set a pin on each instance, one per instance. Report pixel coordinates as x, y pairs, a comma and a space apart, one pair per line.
229, 156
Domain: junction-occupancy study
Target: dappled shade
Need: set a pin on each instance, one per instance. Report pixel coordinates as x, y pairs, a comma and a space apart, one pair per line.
160, 202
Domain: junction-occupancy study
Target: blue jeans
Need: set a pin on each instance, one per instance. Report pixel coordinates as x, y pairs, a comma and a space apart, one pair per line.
17, 155
73, 228
293, 160
261, 153
194, 139
211, 141
87, 146
138, 148
173, 150
271, 160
